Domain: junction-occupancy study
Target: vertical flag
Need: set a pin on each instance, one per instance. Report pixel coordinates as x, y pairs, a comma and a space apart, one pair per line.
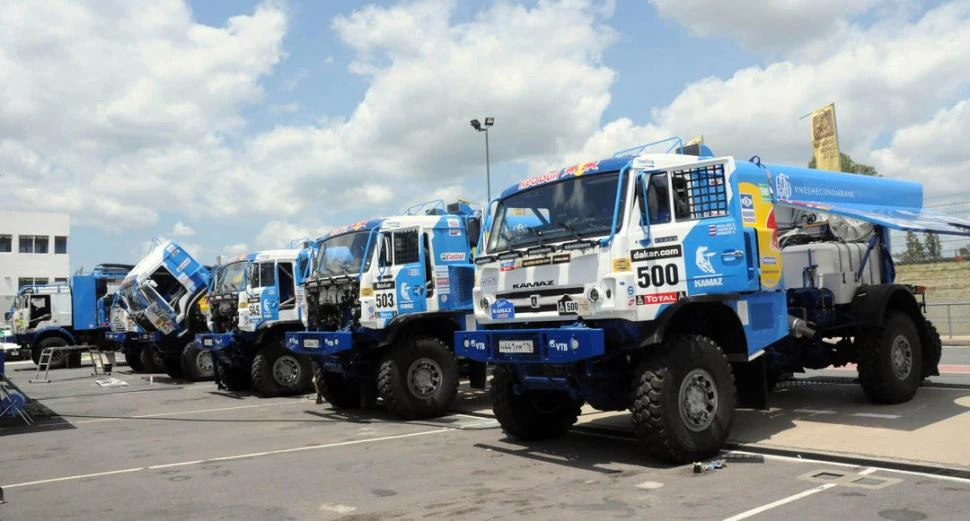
825, 139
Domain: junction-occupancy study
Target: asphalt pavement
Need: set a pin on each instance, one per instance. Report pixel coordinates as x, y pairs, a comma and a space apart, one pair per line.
165, 450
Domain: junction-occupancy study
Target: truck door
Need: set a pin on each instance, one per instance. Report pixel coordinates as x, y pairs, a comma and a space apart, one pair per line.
717, 250
400, 287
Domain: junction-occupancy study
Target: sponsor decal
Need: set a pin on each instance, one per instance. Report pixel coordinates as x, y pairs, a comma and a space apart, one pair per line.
662, 240
702, 258
366, 292
621, 264
553, 175
536, 262
715, 230
453, 256
769, 260
502, 310
453, 222
384, 284
405, 306
709, 282
567, 306
392, 224
405, 293
648, 254
561, 258
507, 265
184, 265
536, 284
652, 299
782, 187
630, 290
765, 191
454, 232
489, 283
748, 214
413, 272
386, 314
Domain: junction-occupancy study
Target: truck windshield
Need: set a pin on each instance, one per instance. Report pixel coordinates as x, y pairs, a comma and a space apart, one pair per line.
343, 255
578, 207
232, 277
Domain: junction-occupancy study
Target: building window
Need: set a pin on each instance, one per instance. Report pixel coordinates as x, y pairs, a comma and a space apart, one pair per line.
26, 244
60, 245
31, 281
42, 244
6, 243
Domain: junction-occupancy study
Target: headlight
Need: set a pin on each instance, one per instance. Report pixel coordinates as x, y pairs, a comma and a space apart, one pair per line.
593, 295
483, 303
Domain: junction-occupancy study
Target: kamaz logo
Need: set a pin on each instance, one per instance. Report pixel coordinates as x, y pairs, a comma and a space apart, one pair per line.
536, 284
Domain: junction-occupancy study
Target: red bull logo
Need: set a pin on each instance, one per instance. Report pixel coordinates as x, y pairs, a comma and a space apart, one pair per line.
554, 175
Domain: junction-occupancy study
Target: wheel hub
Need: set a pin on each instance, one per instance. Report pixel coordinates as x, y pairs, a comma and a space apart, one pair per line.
286, 370
901, 356
424, 377
698, 400
203, 361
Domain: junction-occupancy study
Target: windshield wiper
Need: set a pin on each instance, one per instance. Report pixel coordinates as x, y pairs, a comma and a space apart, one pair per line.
571, 229
538, 234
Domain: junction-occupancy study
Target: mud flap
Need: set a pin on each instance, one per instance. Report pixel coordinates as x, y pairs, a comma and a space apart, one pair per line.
751, 382
477, 374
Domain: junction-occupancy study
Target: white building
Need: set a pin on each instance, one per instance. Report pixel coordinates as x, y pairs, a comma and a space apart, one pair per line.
33, 250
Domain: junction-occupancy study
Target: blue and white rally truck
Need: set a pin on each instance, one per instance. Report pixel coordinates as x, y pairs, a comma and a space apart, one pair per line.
65, 313
254, 300
383, 301
125, 334
164, 294
657, 283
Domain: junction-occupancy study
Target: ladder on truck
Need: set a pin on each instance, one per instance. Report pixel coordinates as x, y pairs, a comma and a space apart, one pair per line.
44, 362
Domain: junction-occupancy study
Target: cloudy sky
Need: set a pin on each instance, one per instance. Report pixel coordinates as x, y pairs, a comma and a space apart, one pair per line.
233, 125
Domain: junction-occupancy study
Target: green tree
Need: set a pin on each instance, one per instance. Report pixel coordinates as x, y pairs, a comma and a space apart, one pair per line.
914, 249
934, 249
965, 252
851, 167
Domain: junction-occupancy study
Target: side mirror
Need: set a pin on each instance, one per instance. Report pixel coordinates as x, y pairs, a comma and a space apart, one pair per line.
474, 231
642, 180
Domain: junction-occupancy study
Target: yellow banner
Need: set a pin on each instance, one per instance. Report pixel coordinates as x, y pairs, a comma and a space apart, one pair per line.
825, 139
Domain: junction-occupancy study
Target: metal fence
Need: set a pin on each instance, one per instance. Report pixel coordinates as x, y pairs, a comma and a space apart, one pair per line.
955, 205
952, 319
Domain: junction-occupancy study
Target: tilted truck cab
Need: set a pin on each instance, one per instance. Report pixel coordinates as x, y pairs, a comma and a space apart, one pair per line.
66, 313
254, 300
384, 299
165, 296
657, 283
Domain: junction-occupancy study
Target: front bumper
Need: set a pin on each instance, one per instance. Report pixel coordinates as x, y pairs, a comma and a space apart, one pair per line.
215, 341
122, 337
564, 345
319, 343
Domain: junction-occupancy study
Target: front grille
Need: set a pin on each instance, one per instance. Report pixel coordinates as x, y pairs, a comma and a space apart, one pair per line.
546, 292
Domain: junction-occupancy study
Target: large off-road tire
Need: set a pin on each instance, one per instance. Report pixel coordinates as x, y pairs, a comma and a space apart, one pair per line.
932, 350
533, 414
337, 390
133, 358
891, 360
234, 378
683, 399
150, 361
196, 363
418, 379
173, 365
58, 358
277, 371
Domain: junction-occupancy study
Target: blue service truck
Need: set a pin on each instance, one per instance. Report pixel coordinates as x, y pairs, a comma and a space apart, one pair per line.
65, 313
254, 300
383, 299
657, 283
164, 294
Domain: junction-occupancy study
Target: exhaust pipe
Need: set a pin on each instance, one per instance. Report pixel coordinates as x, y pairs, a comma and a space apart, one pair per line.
800, 328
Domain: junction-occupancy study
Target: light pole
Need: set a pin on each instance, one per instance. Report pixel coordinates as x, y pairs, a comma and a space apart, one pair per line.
483, 127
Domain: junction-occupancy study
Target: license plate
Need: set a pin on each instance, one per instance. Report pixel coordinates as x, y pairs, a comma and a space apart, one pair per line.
207, 341
311, 343
516, 346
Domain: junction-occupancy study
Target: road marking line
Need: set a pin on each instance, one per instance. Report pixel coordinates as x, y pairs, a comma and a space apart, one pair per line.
792, 459
226, 458
814, 411
876, 415
784, 501
868, 471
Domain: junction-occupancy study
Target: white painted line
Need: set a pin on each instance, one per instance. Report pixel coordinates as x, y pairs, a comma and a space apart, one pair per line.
784, 501
337, 508
868, 471
876, 415
791, 459
814, 411
225, 458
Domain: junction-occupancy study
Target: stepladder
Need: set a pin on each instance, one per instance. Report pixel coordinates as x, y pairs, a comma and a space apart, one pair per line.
42, 374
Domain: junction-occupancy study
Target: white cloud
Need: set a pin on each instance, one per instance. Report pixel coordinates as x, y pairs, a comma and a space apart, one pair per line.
233, 250
181, 229
888, 76
278, 234
764, 24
